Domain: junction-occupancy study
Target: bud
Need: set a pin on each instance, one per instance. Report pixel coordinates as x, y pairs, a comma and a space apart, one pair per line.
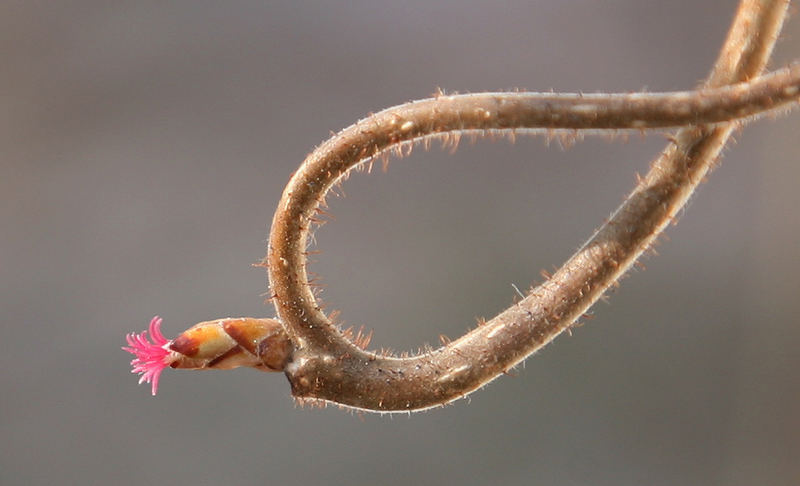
219, 344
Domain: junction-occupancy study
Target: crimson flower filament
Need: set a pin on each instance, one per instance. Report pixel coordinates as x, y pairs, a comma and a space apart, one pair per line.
150, 357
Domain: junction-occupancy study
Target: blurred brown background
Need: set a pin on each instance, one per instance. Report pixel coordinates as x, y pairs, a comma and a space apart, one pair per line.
144, 145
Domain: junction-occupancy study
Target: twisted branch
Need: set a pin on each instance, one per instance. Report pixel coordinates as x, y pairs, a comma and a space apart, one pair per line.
326, 365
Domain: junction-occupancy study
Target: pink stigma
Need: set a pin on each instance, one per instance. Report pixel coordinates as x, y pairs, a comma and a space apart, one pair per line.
151, 358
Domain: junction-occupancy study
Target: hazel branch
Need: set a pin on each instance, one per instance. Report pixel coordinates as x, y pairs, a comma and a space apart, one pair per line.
326, 364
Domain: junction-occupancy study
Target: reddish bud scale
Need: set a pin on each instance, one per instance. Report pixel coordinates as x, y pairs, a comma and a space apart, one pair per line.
233, 342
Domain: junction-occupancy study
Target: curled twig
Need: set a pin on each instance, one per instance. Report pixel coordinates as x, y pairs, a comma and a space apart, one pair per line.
327, 366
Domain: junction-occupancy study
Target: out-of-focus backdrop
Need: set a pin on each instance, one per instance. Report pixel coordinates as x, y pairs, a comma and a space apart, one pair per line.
144, 146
